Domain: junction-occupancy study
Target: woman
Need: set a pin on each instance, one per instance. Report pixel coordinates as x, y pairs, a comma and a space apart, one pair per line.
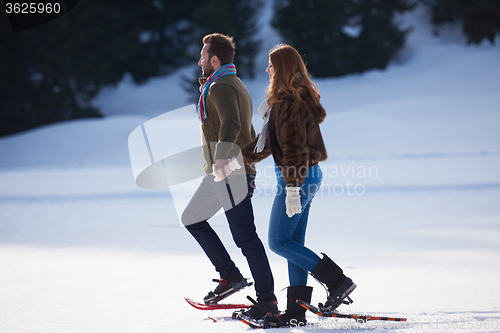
292, 114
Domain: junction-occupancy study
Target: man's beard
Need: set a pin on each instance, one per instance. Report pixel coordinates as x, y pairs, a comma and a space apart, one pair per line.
207, 71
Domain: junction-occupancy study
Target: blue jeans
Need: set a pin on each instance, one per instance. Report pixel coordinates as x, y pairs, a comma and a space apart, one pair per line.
287, 234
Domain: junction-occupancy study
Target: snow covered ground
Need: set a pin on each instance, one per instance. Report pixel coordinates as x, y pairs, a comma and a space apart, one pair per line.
409, 206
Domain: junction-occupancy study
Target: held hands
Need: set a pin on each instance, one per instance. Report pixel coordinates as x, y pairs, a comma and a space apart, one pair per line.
292, 201
222, 168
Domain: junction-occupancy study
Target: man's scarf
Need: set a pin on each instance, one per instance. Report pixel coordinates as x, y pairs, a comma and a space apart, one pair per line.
220, 72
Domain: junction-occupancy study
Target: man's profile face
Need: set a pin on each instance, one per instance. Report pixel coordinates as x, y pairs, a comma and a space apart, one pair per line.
205, 61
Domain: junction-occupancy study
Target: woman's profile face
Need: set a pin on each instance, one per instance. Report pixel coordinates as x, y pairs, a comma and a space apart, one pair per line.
270, 69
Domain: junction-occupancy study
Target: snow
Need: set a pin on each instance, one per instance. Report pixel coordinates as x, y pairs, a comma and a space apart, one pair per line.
409, 206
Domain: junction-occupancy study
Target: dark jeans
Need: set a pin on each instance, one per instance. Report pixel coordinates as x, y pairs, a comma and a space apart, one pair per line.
207, 200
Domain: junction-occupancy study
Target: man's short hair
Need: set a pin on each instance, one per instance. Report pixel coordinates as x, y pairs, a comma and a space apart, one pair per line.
221, 46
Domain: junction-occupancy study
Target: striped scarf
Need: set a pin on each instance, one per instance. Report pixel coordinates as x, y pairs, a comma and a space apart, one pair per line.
220, 72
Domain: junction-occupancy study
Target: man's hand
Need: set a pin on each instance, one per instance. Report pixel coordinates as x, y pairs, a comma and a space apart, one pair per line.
221, 169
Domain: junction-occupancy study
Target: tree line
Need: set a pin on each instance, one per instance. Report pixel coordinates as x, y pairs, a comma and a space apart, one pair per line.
52, 72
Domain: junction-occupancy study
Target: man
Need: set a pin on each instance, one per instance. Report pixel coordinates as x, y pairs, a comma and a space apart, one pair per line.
225, 112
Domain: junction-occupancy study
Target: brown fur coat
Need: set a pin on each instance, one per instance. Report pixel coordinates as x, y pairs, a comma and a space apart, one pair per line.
294, 139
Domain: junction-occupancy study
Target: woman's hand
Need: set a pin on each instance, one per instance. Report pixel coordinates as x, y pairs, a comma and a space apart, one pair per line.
292, 201
222, 168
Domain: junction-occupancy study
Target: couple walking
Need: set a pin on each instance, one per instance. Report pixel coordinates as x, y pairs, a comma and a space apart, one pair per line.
292, 113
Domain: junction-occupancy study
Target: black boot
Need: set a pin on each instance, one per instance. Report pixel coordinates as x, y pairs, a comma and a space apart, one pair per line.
226, 287
339, 286
295, 315
260, 309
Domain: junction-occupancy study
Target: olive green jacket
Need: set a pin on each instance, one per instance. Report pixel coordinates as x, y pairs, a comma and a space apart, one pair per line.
228, 126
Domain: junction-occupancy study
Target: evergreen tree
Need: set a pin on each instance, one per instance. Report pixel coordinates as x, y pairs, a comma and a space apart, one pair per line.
236, 18
53, 71
480, 18
340, 37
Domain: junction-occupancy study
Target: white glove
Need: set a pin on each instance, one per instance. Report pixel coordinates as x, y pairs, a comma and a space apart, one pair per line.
292, 201
234, 164
222, 168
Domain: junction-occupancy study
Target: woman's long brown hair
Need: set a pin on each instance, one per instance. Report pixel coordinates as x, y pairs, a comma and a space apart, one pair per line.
290, 76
